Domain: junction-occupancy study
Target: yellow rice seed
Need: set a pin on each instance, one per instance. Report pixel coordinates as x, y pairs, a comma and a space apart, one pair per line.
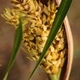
30, 58
36, 57
31, 37
47, 32
33, 58
43, 34
25, 43
61, 54
38, 31
44, 19
62, 62
32, 25
54, 69
40, 49
46, 11
44, 27
55, 56
51, 20
44, 38
34, 52
54, 62
49, 57
48, 63
52, 48
48, 71
59, 46
58, 62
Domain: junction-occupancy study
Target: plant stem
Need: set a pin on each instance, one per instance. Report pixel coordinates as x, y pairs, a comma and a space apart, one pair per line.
55, 76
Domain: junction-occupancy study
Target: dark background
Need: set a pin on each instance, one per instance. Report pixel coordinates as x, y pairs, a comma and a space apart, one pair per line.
22, 67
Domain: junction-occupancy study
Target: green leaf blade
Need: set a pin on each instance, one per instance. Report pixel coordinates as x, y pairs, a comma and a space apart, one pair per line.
63, 9
17, 42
